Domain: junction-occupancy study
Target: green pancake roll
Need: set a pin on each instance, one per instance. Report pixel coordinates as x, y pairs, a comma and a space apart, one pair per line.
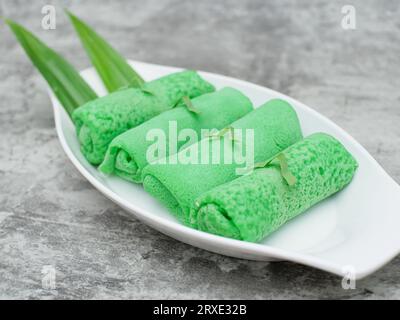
274, 125
253, 206
127, 154
99, 121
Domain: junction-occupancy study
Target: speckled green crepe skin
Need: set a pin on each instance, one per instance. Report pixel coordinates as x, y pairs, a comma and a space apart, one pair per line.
99, 121
253, 206
276, 127
126, 155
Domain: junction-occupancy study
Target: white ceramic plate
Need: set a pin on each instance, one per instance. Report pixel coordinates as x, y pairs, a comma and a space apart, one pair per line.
356, 230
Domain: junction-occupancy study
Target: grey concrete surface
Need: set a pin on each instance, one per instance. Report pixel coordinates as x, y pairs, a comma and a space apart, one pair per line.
49, 214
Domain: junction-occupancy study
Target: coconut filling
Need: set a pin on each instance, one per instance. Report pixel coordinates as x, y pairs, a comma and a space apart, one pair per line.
125, 165
157, 189
213, 219
90, 145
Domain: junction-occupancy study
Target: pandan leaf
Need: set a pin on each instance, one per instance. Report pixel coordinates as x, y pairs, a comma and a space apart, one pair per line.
285, 172
66, 83
189, 105
183, 102
223, 132
112, 68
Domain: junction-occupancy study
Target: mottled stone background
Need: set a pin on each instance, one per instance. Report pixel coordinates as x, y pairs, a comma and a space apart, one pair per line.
50, 215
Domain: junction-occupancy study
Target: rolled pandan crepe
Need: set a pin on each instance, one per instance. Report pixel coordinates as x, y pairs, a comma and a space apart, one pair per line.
127, 154
274, 125
99, 121
253, 206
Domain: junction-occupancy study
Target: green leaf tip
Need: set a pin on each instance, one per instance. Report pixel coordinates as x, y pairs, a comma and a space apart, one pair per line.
112, 68
11, 23
65, 82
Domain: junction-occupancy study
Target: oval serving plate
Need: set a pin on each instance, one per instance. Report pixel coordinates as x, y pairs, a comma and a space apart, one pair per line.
354, 233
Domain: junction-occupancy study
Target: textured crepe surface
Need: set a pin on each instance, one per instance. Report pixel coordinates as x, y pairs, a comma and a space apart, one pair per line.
275, 126
127, 153
253, 206
99, 121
